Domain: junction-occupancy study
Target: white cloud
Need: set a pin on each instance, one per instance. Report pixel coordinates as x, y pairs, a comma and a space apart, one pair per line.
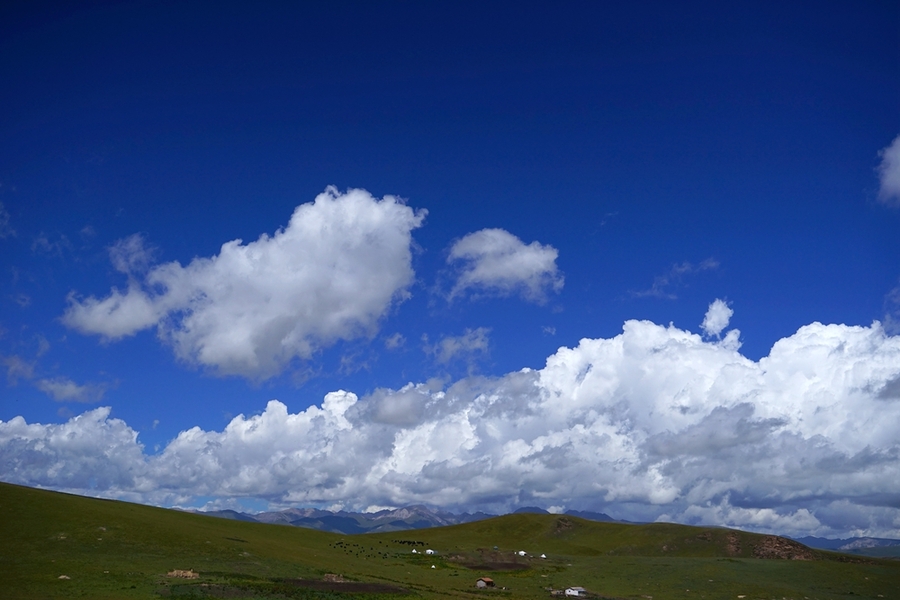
889, 174
63, 389
495, 262
89, 452
655, 423
330, 275
472, 342
717, 318
118, 315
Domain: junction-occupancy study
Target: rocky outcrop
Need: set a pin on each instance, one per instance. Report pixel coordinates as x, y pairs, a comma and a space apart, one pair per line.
773, 546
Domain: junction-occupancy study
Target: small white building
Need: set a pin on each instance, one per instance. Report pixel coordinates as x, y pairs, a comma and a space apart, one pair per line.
543, 556
414, 551
522, 553
429, 551
576, 591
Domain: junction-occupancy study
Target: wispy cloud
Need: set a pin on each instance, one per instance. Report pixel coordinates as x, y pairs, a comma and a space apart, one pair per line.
665, 284
472, 343
132, 255
395, 341
17, 368
889, 174
22, 300
6, 229
42, 244
63, 389
892, 311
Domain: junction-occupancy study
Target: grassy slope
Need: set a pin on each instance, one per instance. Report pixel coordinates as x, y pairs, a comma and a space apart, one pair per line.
120, 550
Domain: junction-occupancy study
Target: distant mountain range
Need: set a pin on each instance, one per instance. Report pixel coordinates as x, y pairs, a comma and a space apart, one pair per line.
866, 546
400, 519
421, 517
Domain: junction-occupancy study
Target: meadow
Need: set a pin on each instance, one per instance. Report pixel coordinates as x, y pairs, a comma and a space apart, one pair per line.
63, 546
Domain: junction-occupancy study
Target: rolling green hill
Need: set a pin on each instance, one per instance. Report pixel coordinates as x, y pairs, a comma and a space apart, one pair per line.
109, 549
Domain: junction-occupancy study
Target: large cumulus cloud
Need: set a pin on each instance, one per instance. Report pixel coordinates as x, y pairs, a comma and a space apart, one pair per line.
89, 452
655, 423
329, 275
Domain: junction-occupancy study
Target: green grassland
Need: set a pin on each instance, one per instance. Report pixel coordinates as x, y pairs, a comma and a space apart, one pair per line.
110, 549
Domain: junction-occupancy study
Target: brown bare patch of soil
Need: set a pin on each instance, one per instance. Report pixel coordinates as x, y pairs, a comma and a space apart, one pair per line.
491, 560
496, 566
279, 588
347, 587
853, 560
773, 546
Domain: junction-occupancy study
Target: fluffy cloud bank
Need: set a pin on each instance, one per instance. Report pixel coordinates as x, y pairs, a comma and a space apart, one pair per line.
329, 275
495, 262
655, 423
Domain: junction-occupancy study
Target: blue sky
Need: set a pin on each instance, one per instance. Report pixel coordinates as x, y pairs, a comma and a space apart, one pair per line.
584, 256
